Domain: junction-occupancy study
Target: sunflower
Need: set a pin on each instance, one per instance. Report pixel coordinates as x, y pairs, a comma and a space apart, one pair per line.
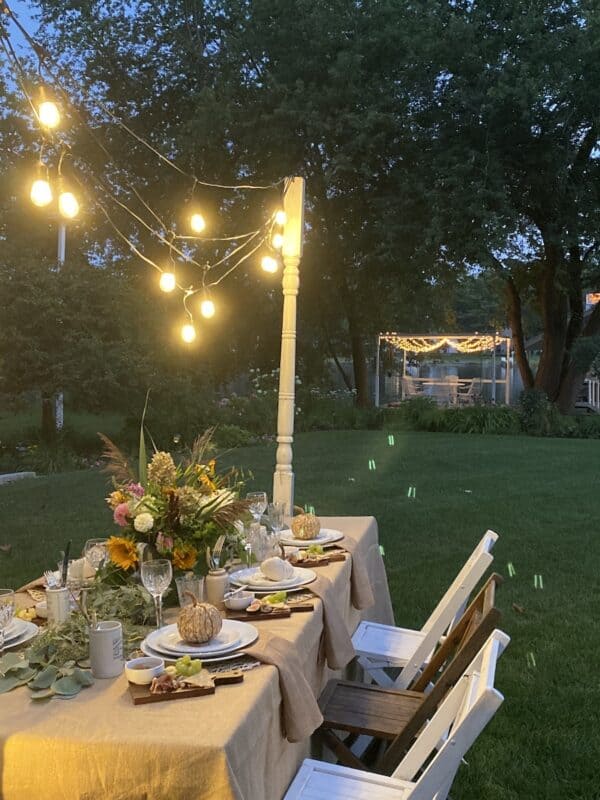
184, 556
122, 552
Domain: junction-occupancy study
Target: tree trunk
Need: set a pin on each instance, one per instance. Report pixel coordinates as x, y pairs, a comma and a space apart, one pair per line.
359, 362
515, 320
48, 420
554, 307
575, 373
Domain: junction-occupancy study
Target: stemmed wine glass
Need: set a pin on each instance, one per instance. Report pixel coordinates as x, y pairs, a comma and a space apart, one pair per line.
96, 553
257, 504
156, 577
7, 611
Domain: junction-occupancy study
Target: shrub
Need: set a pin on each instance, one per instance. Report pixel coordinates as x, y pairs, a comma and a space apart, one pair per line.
227, 436
538, 415
480, 419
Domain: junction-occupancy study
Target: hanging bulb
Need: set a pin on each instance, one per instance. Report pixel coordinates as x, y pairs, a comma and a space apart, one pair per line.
49, 114
269, 264
207, 308
280, 217
197, 223
167, 281
277, 241
188, 333
41, 193
68, 205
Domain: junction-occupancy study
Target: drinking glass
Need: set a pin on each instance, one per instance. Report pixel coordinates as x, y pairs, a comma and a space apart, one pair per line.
258, 504
156, 577
7, 611
96, 552
276, 513
187, 585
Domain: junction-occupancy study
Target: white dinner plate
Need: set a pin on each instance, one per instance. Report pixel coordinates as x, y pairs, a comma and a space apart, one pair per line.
325, 537
150, 651
16, 628
251, 577
31, 630
246, 634
170, 639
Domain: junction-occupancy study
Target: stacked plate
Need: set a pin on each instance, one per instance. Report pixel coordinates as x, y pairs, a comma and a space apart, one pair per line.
18, 632
325, 537
228, 643
253, 578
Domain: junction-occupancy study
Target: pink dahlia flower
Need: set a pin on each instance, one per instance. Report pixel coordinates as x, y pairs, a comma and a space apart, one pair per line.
121, 515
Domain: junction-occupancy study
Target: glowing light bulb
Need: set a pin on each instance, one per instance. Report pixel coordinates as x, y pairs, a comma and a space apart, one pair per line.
207, 308
197, 223
269, 264
68, 205
188, 333
167, 281
280, 217
277, 241
49, 114
41, 193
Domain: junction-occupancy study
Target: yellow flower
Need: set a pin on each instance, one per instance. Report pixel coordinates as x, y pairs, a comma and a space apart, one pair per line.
184, 556
210, 484
116, 498
122, 552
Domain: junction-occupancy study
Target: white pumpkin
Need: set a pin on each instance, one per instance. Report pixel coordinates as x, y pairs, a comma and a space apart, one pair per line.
276, 569
198, 622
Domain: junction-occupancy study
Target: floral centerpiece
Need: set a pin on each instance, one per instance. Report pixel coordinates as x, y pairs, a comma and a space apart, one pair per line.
170, 510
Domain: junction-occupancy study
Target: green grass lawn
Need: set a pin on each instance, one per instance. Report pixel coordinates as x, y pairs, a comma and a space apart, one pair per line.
540, 495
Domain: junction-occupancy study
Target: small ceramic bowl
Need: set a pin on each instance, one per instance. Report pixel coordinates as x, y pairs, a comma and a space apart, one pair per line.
239, 601
143, 670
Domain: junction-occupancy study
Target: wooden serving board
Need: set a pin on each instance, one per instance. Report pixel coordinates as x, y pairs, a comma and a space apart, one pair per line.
277, 613
318, 561
142, 694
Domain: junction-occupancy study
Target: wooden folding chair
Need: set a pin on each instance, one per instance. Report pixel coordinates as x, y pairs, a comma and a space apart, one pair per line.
423, 773
394, 717
379, 647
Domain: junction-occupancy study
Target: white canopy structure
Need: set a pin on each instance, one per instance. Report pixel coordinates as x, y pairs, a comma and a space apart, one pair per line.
419, 343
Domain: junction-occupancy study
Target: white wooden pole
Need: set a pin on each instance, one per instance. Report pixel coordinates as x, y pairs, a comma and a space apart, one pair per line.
283, 478
377, 372
59, 398
494, 373
507, 375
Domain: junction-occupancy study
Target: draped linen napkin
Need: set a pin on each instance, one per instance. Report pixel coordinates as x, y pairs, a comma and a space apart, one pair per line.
337, 642
361, 591
300, 711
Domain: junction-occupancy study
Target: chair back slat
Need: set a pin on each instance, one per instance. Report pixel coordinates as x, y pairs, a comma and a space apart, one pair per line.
465, 576
464, 712
450, 662
485, 545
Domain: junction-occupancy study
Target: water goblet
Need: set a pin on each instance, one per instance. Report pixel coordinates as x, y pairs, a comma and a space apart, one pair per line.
276, 514
156, 577
7, 611
96, 552
257, 504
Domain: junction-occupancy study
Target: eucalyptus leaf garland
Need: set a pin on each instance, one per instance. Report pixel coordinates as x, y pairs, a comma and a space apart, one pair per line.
54, 663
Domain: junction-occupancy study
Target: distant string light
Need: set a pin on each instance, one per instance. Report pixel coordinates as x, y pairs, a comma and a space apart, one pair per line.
207, 308
48, 114
167, 282
68, 205
41, 193
188, 333
197, 223
429, 344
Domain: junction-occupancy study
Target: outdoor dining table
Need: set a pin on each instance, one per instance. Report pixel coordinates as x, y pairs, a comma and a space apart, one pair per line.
226, 746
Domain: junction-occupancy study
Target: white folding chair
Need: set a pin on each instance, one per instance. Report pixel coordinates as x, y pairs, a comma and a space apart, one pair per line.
379, 647
457, 723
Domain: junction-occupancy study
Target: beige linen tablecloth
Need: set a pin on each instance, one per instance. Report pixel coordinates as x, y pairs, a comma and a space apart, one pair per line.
228, 746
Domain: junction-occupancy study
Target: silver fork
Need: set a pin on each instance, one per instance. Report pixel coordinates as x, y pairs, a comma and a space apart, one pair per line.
51, 580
